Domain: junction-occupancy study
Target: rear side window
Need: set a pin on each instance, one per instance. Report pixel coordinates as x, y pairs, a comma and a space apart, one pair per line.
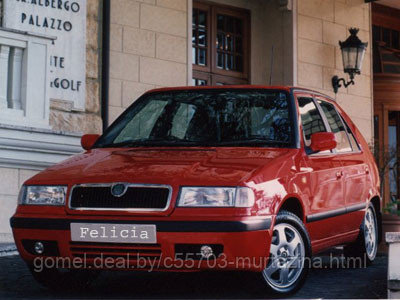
337, 127
353, 141
310, 118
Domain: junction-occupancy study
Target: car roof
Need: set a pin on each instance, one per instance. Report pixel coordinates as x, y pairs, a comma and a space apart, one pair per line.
261, 87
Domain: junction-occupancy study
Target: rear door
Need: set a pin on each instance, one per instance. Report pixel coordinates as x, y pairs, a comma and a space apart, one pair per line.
355, 171
326, 199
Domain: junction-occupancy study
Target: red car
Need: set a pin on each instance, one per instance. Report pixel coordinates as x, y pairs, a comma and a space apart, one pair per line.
241, 178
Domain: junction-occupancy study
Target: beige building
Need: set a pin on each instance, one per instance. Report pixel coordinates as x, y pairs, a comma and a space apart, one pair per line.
151, 47
136, 45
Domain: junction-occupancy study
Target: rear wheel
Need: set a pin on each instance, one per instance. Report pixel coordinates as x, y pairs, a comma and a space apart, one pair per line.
366, 245
290, 246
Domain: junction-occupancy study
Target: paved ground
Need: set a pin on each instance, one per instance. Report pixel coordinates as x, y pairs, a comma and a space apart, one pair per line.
325, 282
7, 249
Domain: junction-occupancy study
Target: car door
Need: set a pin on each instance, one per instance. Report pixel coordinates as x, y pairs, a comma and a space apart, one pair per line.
355, 170
326, 201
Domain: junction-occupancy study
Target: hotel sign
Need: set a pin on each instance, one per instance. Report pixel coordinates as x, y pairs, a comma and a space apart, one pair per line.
65, 20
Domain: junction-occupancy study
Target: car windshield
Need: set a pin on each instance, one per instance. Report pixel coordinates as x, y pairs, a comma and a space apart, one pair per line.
196, 118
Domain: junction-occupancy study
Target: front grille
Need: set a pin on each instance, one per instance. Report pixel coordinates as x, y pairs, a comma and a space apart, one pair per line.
135, 198
116, 251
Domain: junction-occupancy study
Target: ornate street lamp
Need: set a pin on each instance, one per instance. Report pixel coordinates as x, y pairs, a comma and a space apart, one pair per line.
353, 51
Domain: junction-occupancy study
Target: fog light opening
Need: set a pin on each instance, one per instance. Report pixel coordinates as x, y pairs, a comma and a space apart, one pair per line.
39, 248
206, 251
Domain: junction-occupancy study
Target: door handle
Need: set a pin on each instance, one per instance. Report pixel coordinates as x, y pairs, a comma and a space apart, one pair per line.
339, 174
366, 170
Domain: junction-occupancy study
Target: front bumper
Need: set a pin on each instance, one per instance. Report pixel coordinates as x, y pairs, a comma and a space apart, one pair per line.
244, 243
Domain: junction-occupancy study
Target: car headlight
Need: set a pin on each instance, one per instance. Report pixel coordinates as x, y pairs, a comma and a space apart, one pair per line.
43, 195
216, 197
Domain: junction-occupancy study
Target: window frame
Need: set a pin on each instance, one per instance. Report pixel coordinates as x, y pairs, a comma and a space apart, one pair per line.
345, 124
384, 18
307, 149
211, 71
207, 8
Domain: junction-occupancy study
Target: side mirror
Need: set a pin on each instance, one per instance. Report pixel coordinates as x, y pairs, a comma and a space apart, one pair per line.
88, 140
322, 141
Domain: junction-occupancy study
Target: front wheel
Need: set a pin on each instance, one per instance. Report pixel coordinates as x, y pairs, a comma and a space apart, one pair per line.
286, 270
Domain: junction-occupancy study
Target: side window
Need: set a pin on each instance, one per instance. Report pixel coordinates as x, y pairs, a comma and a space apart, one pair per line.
337, 127
353, 141
310, 118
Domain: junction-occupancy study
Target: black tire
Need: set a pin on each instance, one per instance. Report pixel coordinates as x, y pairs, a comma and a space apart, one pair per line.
285, 218
357, 253
63, 280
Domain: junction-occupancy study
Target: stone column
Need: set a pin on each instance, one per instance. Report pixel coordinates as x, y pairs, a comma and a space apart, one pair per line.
14, 85
393, 239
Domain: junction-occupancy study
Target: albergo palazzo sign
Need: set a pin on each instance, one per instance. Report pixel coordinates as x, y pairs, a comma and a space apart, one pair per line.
65, 20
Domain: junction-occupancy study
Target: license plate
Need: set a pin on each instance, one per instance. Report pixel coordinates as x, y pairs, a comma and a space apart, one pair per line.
114, 233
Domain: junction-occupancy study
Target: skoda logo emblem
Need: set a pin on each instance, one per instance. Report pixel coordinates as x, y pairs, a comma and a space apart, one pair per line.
118, 189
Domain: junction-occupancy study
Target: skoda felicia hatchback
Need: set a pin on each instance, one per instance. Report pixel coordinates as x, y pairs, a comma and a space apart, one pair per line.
188, 179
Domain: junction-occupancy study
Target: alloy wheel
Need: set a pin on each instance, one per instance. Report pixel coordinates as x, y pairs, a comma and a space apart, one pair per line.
370, 234
287, 254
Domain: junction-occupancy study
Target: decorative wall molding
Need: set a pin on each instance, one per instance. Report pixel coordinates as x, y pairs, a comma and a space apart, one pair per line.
35, 149
24, 72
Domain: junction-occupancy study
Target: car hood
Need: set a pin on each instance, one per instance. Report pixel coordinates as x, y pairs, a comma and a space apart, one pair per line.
205, 166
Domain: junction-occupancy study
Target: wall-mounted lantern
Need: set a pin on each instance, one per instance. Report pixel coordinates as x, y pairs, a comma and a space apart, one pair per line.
353, 51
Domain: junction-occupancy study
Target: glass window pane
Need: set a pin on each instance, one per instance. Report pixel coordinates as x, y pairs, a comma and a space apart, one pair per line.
198, 82
238, 45
202, 19
229, 62
390, 57
202, 38
141, 125
194, 16
238, 26
395, 39
337, 127
181, 120
199, 37
220, 60
376, 32
194, 35
349, 58
202, 82
220, 41
229, 43
202, 57
391, 69
239, 63
310, 118
221, 22
353, 141
386, 36
196, 118
230, 23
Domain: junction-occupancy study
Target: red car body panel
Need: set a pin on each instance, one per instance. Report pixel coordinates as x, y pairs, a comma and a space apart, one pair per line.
347, 181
